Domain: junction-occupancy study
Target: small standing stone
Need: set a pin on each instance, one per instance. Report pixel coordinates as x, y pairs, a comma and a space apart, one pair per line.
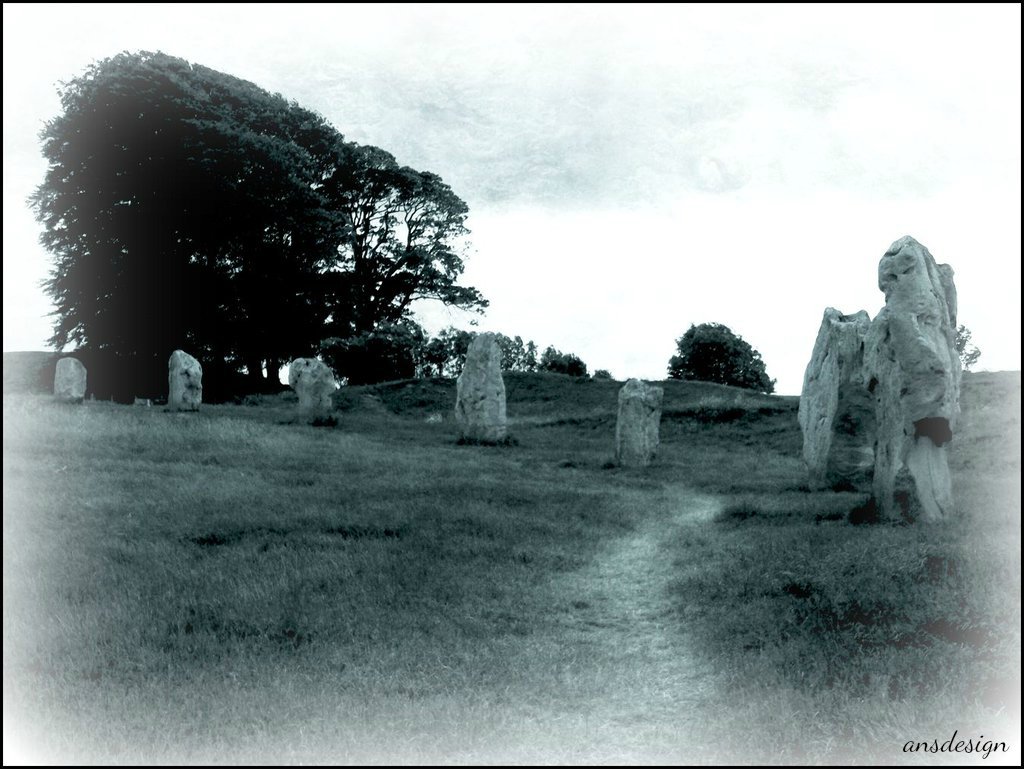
69, 381
314, 383
636, 431
184, 382
480, 395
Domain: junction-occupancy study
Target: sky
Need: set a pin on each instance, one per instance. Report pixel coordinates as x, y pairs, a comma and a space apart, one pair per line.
629, 170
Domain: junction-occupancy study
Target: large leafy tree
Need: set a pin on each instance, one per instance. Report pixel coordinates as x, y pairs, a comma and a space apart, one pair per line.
181, 208
403, 234
189, 208
711, 352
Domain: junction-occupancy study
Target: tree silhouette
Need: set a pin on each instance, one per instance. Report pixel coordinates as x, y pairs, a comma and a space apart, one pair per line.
711, 352
180, 207
186, 208
562, 363
403, 232
968, 353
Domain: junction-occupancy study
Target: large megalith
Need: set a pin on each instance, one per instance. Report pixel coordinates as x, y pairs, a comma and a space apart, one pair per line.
913, 372
69, 381
480, 394
184, 382
837, 412
636, 430
314, 383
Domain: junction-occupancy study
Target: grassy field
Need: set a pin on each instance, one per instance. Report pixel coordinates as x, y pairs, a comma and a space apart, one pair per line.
231, 586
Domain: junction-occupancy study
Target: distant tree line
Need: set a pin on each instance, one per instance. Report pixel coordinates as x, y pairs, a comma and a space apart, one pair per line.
404, 351
186, 208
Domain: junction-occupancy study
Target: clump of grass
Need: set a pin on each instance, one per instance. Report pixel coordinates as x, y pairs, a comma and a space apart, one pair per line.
327, 421
787, 507
866, 513
506, 442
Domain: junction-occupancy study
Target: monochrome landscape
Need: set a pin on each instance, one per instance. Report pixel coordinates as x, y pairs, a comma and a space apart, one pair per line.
291, 481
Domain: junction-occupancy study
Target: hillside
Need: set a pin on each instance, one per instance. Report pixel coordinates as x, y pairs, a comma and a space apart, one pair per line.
29, 372
234, 586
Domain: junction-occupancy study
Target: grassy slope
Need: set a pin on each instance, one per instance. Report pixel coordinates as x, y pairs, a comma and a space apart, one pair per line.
26, 372
232, 586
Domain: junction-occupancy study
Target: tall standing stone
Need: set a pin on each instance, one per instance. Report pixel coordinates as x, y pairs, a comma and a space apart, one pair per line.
69, 381
913, 372
636, 430
184, 382
837, 413
480, 395
314, 383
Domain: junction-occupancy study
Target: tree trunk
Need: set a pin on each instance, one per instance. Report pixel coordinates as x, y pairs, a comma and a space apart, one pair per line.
254, 367
273, 372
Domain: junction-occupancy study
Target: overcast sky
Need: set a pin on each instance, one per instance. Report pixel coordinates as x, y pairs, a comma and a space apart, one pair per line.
628, 170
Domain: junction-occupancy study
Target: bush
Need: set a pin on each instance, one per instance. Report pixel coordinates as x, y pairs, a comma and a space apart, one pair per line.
711, 352
562, 363
968, 353
389, 352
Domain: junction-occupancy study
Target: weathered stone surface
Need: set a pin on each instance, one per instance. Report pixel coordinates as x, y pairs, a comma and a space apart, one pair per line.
314, 383
913, 372
184, 382
636, 431
69, 380
837, 413
480, 397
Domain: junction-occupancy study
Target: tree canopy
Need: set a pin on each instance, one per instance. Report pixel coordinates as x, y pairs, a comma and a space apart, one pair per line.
404, 350
188, 208
403, 227
711, 352
560, 362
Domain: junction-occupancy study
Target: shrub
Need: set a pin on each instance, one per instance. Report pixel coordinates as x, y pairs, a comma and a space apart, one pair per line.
968, 353
562, 363
389, 352
711, 352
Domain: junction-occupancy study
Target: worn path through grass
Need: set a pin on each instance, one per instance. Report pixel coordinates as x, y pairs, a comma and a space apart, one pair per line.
625, 590
626, 627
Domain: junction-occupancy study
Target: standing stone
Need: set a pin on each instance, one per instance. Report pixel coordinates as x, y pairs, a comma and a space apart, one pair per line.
69, 381
636, 431
480, 395
837, 413
314, 383
184, 382
913, 372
